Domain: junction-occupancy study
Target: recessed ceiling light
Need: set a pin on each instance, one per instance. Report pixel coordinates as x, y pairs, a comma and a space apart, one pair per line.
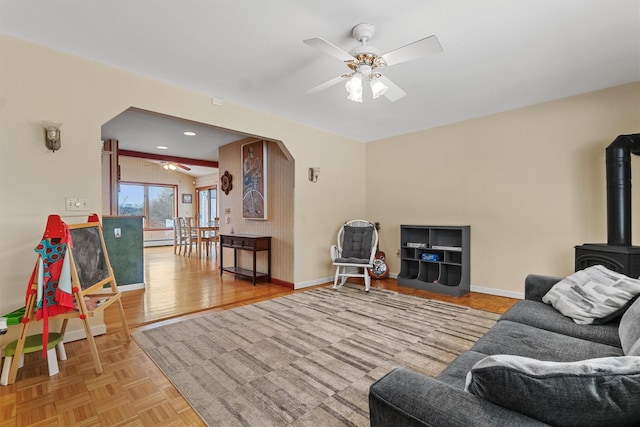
189, 133
162, 147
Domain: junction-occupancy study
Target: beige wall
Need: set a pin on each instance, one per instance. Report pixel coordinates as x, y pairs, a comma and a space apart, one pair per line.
38, 83
208, 180
530, 182
278, 225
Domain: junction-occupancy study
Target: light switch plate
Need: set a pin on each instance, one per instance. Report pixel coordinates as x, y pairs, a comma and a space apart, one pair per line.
76, 204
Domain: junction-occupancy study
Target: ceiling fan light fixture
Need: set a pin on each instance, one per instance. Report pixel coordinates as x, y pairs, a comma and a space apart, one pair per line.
364, 60
377, 87
354, 88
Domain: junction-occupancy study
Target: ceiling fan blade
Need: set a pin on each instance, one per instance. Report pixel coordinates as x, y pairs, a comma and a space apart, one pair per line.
329, 48
417, 49
185, 167
393, 92
326, 84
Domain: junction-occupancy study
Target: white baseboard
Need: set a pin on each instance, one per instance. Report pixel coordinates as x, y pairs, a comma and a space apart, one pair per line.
479, 289
497, 292
310, 283
485, 290
79, 334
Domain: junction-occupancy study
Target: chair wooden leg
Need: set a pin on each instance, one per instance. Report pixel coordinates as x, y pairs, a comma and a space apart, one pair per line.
214, 246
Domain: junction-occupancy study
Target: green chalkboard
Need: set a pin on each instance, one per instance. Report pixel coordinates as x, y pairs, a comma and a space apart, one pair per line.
126, 252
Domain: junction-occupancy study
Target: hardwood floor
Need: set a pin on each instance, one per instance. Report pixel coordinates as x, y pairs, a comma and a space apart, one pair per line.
132, 390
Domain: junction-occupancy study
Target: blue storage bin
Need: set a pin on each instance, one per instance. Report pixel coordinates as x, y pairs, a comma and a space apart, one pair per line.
430, 257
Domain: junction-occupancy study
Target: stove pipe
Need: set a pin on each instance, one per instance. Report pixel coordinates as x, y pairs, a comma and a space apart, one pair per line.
618, 163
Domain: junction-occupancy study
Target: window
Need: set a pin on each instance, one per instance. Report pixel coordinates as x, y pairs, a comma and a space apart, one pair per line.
207, 206
156, 202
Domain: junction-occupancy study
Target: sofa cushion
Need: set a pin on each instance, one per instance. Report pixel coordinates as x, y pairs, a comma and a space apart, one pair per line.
456, 372
409, 399
540, 315
508, 337
593, 295
629, 330
594, 392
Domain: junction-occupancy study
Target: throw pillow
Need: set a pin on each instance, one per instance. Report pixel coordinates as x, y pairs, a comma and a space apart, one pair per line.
629, 330
593, 295
595, 392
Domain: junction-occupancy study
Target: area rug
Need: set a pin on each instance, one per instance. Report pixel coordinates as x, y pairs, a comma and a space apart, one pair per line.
307, 359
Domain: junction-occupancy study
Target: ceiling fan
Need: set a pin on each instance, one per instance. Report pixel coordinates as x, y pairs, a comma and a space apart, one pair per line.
365, 62
171, 165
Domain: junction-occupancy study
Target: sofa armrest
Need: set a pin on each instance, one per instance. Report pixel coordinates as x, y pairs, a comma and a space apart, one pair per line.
406, 398
536, 286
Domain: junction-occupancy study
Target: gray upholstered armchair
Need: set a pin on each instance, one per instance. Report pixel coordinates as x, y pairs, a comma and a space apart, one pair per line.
355, 251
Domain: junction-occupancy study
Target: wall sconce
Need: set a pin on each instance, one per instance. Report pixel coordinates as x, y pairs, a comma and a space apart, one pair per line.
313, 174
52, 135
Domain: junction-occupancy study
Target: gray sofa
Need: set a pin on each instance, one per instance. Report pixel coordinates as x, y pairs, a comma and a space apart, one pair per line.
531, 329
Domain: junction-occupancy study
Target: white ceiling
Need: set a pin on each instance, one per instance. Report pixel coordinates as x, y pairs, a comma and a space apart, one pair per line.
143, 131
498, 54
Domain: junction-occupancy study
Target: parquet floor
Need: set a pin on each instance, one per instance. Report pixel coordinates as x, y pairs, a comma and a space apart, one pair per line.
132, 391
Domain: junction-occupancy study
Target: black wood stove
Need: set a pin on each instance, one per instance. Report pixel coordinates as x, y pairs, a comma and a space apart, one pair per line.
618, 254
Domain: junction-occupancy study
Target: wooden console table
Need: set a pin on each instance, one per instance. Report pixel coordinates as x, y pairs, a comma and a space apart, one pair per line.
246, 242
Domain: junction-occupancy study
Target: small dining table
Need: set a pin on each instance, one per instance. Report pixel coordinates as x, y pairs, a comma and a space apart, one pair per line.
200, 232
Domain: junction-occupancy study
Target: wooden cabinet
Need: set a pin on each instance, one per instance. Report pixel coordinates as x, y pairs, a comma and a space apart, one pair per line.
435, 258
246, 242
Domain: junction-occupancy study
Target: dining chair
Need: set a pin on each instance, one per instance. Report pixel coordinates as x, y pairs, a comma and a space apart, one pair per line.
177, 243
210, 239
185, 236
191, 236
